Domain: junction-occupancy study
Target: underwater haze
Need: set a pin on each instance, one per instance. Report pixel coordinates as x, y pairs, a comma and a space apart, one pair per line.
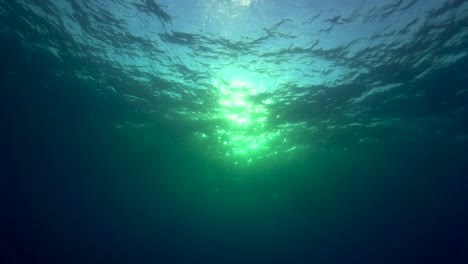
234, 131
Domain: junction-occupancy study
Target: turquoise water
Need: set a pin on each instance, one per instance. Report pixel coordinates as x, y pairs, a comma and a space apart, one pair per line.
234, 131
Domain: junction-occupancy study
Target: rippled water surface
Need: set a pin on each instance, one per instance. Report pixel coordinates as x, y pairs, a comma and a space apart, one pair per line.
250, 80
256, 120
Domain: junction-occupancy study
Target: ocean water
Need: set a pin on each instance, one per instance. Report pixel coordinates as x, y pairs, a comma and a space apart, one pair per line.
234, 131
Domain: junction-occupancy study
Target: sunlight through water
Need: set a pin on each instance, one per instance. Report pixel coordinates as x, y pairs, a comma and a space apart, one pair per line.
244, 135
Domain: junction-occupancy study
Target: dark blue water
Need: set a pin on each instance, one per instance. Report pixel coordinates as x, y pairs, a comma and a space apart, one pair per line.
234, 131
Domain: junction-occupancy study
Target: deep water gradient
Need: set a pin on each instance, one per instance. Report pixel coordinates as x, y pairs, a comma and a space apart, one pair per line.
234, 131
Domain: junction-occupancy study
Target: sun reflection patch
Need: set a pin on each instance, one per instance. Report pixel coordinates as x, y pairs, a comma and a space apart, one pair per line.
236, 106
244, 130
244, 134
244, 2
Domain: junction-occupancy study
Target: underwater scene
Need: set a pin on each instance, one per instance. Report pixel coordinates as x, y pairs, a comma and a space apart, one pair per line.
234, 131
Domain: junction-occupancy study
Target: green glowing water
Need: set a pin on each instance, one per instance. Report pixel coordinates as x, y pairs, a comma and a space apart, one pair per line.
243, 133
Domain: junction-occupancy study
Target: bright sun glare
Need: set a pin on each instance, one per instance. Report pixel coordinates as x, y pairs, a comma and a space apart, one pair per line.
244, 134
244, 2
